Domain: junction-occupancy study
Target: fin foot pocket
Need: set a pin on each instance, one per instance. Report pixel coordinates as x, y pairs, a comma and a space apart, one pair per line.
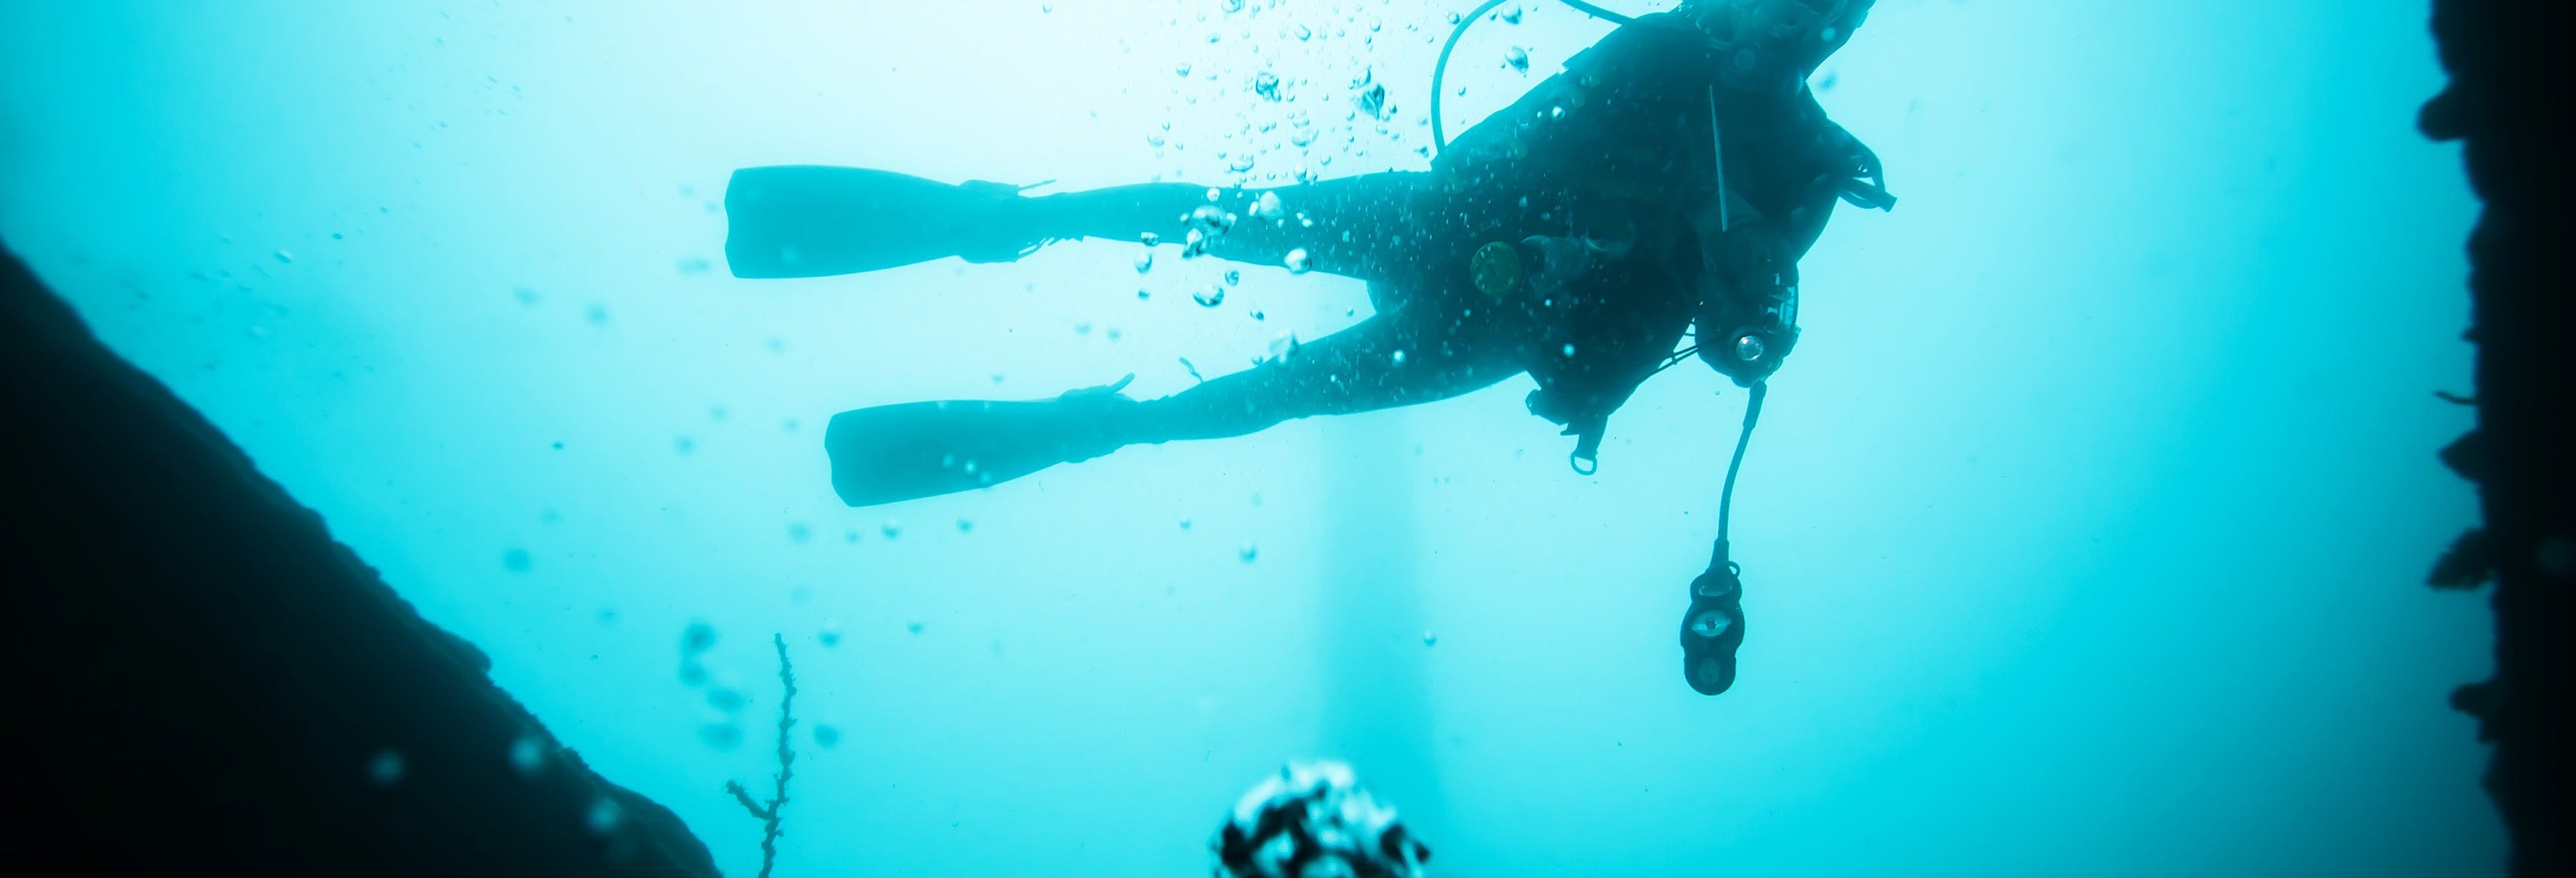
893, 453
816, 221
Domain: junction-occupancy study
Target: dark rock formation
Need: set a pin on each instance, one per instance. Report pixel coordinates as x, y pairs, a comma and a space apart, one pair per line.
2509, 101
201, 681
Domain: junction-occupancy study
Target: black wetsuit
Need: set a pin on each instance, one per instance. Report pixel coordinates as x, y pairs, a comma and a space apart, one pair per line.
1667, 182
1575, 235
1619, 149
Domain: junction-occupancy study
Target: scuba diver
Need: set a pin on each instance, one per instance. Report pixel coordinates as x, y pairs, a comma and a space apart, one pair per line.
1667, 181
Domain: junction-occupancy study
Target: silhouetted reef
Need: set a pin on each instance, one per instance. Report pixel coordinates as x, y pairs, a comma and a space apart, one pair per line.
206, 683
2509, 101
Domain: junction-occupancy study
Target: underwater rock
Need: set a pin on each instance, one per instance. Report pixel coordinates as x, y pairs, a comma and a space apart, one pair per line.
2507, 96
216, 680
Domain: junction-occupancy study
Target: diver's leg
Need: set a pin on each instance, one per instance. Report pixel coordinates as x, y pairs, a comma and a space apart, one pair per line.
1373, 226
898, 452
1382, 362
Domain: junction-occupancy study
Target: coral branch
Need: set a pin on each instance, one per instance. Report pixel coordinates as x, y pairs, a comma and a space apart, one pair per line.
768, 813
744, 796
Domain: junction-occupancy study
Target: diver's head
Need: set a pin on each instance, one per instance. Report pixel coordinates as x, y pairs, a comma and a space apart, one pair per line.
1747, 318
1746, 352
1762, 42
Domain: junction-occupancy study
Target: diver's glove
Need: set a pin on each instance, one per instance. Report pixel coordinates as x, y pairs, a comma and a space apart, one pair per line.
1561, 260
1860, 181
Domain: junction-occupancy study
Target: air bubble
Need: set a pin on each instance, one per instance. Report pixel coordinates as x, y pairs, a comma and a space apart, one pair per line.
386, 768
527, 754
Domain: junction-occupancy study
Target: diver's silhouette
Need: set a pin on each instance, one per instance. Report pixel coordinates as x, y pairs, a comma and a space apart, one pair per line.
1574, 235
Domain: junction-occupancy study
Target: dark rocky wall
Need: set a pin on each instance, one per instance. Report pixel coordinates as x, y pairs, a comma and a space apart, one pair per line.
201, 681
2509, 102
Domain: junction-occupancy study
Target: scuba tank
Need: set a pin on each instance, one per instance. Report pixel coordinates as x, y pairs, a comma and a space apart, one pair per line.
1440, 68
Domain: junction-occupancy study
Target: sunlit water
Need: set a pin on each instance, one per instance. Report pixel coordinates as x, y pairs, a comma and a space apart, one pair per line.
2083, 535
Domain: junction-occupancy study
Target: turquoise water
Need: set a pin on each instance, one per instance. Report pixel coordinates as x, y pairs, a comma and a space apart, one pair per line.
2083, 535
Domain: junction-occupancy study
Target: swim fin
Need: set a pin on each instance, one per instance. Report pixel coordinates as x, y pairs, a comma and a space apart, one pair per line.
922, 449
814, 221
